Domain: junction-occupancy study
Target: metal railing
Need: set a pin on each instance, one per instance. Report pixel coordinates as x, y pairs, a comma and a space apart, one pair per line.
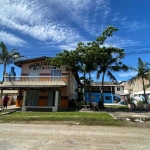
35, 78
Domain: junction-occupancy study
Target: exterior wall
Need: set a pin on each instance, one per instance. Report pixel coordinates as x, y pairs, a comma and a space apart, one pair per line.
42, 72
64, 97
43, 98
136, 86
95, 97
73, 87
109, 89
119, 90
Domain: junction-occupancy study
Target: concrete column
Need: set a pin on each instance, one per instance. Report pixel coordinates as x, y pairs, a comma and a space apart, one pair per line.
1, 93
24, 101
56, 101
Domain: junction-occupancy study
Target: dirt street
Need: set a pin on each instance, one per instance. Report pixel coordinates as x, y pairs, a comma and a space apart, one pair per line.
72, 137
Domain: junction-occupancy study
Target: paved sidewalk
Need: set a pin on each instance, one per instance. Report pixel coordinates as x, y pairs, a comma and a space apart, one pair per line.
13, 107
126, 115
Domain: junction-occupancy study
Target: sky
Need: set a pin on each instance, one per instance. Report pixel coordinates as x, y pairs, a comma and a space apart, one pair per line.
46, 27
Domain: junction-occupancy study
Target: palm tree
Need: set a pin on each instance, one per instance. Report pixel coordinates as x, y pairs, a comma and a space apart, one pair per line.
142, 72
7, 57
107, 59
110, 63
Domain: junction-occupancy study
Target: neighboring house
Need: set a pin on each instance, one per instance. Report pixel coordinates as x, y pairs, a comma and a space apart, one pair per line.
136, 88
109, 87
42, 86
111, 92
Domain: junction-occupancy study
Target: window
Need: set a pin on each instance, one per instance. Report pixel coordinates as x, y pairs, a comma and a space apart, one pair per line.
56, 73
118, 88
33, 72
107, 97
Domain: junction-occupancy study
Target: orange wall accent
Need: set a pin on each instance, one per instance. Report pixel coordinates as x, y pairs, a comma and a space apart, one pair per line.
42, 102
18, 103
63, 103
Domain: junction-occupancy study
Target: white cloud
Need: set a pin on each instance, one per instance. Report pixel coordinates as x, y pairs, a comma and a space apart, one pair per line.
61, 22
135, 25
11, 39
117, 18
127, 74
71, 46
31, 18
117, 41
50, 20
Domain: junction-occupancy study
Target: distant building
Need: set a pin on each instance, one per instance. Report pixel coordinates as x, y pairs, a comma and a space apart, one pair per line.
109, 87
136, 88
111, 92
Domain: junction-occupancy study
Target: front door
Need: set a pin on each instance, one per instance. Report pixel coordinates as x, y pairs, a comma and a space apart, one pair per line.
51, 98
32, 97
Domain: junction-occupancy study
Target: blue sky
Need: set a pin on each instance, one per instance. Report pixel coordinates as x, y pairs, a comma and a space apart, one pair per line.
46, 27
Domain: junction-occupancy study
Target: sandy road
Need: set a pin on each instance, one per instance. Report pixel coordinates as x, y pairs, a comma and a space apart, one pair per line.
72, 137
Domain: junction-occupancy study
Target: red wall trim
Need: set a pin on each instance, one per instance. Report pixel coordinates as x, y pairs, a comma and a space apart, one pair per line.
24, 74
65, 73
44, 74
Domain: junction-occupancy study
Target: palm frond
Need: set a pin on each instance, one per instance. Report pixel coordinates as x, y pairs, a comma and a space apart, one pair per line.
99, 73
112, 77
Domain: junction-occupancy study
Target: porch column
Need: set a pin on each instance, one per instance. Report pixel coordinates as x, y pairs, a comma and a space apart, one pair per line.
24, 101
56, 101
1, 93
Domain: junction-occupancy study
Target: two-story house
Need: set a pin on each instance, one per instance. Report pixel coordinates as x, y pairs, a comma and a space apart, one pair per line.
111, 92
41, 86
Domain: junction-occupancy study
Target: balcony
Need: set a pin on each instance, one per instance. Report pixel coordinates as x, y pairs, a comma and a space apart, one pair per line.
35, 81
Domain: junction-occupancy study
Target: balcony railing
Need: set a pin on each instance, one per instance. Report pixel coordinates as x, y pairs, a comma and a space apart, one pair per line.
35, 78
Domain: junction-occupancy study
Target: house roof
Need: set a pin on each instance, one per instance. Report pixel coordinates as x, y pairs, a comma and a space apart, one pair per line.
19, 63
29, 86
106, 84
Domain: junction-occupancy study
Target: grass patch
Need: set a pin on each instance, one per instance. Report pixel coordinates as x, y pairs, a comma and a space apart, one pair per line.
83, 118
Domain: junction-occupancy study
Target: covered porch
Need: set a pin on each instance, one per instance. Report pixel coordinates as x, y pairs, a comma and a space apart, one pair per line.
38, 93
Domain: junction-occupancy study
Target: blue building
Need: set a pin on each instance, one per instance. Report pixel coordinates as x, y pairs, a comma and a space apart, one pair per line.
108, 97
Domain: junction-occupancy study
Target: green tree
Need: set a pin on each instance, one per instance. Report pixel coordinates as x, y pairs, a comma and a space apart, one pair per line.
7, 57
107, 59
70, 59
87, 60
77, 60
142, 73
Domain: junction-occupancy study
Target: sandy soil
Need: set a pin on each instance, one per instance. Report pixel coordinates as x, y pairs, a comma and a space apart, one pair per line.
72, 137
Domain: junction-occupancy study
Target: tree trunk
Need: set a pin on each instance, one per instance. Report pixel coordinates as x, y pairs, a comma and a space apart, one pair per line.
101, 101
84, 87
144, 90
90, 88
4, 72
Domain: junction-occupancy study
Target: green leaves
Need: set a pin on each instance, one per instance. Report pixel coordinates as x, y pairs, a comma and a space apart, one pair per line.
93, 56
142, 72
7, 57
